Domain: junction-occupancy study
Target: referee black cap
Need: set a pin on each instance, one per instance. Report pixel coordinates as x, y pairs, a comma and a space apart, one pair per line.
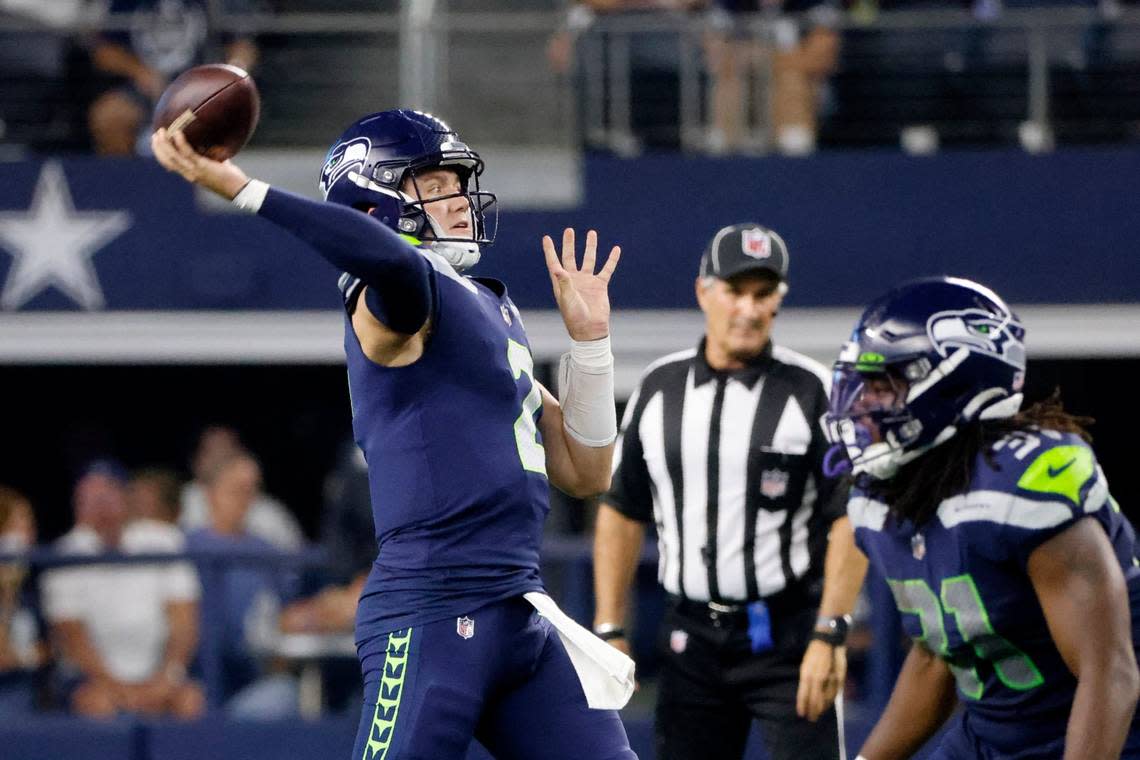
743, 248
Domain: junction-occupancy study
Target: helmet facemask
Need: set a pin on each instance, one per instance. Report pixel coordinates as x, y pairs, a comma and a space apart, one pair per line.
869, 416
887, 415
482, 213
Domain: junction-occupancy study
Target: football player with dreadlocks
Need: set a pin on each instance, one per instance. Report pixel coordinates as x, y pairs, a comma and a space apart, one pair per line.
461, 443
1012, 566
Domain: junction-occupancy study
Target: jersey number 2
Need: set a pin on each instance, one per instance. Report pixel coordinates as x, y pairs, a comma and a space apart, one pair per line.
960, 598
531, 453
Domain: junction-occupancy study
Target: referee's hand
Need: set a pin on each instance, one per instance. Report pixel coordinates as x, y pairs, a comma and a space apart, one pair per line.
823, 672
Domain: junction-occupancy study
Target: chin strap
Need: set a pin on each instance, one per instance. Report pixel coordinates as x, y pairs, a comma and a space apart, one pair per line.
1005, 408
882, 460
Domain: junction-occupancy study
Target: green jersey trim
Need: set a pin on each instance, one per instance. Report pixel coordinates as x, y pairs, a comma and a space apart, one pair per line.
1062, 470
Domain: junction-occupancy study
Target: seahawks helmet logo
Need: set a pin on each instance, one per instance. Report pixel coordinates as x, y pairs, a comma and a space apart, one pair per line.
978, 330
344, 157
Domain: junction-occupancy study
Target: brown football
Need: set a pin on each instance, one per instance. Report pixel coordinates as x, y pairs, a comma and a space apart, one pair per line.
216, 106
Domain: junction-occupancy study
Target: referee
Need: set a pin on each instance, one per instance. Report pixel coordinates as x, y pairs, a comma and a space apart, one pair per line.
721, 449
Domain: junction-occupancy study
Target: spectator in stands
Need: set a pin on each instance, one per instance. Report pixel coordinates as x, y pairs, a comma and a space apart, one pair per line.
653, 70
150, 42
22, 651
251, 593
800, 54
125, 632
155, 493
266, 517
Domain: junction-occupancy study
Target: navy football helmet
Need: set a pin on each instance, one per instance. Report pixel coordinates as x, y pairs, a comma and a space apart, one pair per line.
924, 359
367, 166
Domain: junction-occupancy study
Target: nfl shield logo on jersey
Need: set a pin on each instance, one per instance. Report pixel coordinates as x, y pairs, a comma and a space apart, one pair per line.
465, 627
505, 312
918, 546
756, 243
678, 641
773, 483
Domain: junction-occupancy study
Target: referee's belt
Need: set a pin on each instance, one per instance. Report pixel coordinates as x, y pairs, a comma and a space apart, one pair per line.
788, 601
715, 613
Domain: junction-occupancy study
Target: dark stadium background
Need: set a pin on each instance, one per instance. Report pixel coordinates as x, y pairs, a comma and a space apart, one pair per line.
295, 418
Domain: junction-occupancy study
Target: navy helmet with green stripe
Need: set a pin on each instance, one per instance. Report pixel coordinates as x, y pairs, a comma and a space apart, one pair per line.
923, 359
367, 166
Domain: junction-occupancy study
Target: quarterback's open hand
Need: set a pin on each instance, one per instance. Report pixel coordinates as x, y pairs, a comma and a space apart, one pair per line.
582, 296
176, 155
823, 672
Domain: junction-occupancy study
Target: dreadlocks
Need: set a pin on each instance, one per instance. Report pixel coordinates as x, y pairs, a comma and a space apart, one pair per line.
915, 492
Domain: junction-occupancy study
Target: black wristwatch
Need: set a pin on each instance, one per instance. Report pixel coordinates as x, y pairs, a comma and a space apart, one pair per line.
831, 630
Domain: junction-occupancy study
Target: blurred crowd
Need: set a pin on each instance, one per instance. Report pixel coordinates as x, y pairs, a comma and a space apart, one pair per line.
98, 88
98, 623
761, 86
160, 575
765, 65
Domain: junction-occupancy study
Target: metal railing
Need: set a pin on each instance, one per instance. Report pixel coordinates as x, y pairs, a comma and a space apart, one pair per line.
1026, 40
487, 71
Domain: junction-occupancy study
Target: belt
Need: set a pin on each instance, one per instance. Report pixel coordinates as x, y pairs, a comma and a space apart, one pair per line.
717, 614
799, 598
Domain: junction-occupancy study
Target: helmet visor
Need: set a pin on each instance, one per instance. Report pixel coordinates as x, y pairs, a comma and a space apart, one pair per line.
867, 412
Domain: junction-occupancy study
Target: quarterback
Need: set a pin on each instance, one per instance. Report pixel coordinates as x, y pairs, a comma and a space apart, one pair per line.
461, 443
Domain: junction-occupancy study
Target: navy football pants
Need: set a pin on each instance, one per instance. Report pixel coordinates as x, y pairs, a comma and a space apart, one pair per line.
428, 690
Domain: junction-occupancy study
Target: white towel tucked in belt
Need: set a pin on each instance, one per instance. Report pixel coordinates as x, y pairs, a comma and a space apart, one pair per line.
606, 674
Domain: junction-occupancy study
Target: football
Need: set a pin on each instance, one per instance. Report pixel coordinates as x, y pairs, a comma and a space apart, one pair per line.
216, 106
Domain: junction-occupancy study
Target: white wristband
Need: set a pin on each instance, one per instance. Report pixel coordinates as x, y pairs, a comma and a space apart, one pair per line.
250, 197
586, 392
592, 355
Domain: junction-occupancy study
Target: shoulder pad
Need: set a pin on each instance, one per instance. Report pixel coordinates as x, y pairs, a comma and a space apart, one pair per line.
1047, 463
1060, 470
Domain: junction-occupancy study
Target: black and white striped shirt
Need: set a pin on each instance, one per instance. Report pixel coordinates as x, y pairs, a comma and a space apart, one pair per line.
729, 467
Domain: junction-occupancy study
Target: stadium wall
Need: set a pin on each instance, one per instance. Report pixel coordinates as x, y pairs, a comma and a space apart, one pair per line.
1052, 229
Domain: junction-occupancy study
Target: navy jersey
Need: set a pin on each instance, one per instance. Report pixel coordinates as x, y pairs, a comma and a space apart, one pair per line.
962, 587
456, 467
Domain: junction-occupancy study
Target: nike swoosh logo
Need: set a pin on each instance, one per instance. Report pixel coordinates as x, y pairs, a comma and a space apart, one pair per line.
1054, 472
